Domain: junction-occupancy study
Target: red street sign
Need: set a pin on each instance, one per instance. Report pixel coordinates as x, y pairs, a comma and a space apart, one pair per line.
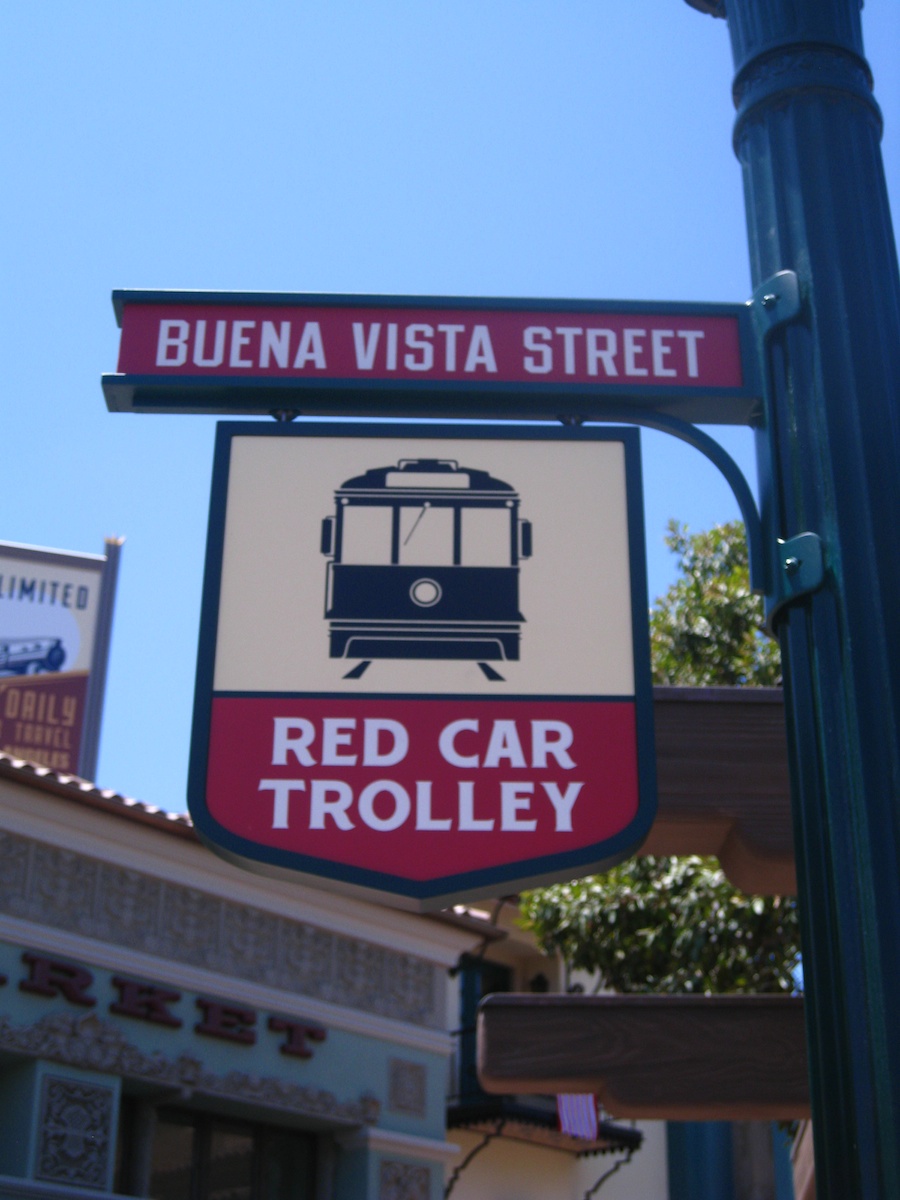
353, 355
423, 666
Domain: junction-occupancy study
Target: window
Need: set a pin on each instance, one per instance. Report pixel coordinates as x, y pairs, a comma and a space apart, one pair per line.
486, 537
196, 1156
426, 535
367, 533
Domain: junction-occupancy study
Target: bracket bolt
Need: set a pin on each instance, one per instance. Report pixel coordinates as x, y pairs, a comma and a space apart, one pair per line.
769, 300
792, 565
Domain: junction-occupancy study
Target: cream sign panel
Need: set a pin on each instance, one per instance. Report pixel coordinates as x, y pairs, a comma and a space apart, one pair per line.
574, 590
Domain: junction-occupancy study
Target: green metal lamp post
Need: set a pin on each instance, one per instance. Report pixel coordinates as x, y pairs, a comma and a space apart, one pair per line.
827, 295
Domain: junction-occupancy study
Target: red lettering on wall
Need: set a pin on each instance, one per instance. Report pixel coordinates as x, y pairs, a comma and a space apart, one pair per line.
225, 1021
298, 1034
145, 1002
50, 977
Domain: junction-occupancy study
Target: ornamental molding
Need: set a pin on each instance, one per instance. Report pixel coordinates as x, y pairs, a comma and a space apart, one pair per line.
399, 1145
90, 1043
120, 906
822, 66
407, 1087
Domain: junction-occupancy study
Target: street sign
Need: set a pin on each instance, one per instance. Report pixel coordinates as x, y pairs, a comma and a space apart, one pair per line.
423, 669
242, 353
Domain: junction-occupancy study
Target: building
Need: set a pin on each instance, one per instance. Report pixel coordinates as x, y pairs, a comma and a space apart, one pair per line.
172, 1026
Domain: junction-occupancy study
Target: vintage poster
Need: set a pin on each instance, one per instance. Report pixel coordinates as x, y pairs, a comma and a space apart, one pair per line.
55, 614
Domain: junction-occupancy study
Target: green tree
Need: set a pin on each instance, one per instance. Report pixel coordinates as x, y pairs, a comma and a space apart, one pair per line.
708, 628
677, 924
668, 925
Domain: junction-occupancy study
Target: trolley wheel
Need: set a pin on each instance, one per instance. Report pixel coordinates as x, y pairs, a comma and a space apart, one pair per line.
359, 670
490, 673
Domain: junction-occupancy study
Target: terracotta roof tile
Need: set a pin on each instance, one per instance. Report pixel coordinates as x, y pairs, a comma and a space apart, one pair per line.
82, 791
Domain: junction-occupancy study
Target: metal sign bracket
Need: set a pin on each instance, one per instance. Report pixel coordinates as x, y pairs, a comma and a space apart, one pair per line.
802, 573
722, 460
796, 568
777, 301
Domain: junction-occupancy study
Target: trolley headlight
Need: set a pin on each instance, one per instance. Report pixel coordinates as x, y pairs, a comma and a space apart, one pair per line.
425, 592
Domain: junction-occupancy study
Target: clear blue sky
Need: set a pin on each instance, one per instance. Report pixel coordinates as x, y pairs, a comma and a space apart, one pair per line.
559, 148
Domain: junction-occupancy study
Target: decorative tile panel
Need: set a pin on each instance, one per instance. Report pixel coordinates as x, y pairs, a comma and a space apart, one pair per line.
62, 884
14, 860
249, 935
127, 901
407, 1087
98, 899
308, 954
190, 919
75, 1133
406, 985
400, 1181
359, 970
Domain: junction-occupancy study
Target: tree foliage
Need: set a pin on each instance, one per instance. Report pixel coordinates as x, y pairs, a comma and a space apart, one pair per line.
677, 924
668, 925
708, 628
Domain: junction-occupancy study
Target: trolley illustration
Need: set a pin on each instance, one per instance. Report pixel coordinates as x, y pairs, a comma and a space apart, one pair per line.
425, 565
31, 656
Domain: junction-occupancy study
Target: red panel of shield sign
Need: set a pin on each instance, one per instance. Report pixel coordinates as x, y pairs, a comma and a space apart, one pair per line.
423, 669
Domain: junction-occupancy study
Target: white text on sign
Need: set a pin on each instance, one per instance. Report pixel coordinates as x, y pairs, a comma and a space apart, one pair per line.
510, 805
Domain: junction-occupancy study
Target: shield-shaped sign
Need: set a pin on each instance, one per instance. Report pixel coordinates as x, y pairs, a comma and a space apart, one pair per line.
423, 670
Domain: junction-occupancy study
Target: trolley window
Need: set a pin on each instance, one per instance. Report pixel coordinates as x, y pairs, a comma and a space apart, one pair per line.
426, 535
486, 537
366, 534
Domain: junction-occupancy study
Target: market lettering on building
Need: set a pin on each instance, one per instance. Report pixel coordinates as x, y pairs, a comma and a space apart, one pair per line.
55, 978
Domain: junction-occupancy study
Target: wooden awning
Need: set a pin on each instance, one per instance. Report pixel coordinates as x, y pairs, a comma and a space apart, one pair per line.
681, 1058
722, 777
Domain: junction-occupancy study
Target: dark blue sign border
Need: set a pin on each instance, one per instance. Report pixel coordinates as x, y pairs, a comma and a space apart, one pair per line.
374, 884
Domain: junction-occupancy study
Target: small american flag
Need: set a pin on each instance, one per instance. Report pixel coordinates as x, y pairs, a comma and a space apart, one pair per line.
578, 1116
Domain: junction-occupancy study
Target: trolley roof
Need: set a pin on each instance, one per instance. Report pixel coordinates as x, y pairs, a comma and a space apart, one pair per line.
432, 474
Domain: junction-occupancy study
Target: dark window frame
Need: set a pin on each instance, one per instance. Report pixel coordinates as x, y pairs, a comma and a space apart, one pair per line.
204, 1125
